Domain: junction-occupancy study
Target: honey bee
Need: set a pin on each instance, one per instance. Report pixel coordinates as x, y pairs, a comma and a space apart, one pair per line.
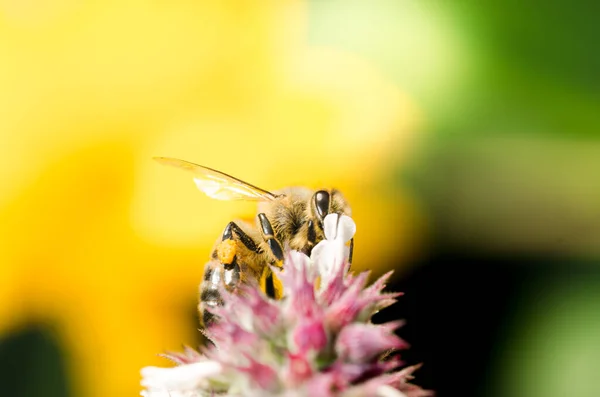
291, 217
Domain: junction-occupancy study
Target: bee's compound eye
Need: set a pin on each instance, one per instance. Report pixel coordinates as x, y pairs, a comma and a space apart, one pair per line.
322, 203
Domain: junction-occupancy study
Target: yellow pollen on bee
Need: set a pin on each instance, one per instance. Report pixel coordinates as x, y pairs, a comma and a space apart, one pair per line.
226, 251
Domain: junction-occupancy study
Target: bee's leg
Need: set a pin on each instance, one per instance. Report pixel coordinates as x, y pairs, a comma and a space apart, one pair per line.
311, 235
273, 286
222, 270
311, 238
269, 237
226, 251
270, 285
228, 234
351, 250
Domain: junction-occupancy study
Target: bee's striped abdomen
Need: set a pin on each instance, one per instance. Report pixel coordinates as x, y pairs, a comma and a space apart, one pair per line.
216, 277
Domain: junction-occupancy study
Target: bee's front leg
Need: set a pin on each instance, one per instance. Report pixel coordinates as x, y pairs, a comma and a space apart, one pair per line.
273, 289
227, 251
223, 269
269, 237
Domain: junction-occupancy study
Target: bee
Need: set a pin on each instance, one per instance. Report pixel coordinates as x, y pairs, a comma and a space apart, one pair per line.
290, 218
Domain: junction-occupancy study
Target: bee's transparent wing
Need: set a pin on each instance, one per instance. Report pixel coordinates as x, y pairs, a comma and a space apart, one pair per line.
218, 185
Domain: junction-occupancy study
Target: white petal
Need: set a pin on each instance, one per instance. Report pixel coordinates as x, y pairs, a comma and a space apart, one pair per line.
346, 229
180, 378
323, 256
389, 391
330, 226
342, 229
346, 251
327, 257
330, 254
299, 259
319, 254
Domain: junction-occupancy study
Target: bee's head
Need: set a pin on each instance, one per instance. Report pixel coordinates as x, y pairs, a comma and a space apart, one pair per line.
325, 202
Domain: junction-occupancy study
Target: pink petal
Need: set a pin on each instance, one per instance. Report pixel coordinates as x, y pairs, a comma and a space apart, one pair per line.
229, 333
345, 310
388, 391
374, 300
309, 335
320, 385
335, 288
298, 284
260, 374
397, 380
361, 343
299, 369
265, 313
187, 357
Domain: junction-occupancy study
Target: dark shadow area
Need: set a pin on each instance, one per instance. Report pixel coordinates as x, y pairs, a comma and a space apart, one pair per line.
458, 310
32, 364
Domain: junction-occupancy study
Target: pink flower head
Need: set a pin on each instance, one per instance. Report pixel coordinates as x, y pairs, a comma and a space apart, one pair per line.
318, 340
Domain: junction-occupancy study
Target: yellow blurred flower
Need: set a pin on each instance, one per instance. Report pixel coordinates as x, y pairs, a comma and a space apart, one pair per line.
108, 245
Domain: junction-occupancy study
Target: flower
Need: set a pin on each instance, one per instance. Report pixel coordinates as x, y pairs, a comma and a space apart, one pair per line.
331, 253
317, 340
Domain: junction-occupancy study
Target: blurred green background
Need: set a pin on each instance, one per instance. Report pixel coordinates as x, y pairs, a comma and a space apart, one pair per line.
502, 275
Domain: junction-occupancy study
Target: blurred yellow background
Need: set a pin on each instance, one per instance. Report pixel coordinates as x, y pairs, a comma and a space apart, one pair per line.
458, 127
